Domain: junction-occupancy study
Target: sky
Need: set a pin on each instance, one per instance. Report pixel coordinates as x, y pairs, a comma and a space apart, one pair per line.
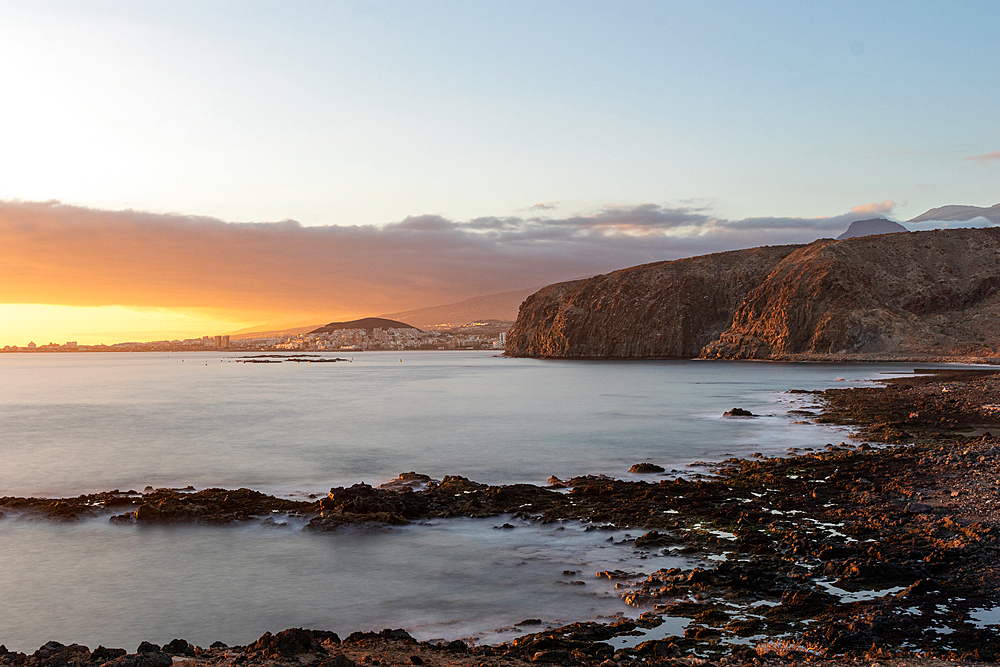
179, 168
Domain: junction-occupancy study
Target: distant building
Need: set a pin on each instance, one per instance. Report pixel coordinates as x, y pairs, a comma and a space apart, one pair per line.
222, 342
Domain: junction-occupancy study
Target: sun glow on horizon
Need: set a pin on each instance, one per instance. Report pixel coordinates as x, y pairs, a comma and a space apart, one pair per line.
21, 323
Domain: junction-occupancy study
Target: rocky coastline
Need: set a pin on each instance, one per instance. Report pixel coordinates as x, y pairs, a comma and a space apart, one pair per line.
855, 553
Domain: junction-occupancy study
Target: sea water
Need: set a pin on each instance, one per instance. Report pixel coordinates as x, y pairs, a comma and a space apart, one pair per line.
87, 422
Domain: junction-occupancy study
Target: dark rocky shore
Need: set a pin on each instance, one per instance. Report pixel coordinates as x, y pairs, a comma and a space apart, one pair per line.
859, 552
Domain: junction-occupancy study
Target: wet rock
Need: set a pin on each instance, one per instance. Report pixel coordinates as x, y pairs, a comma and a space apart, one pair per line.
646, 468
553, 657
658, 648
701, 634
919, 587
289, 643
361, 503
104, 654
397, 634
617, 574
150, 659
341, 660
147, 647
411, 481
917, 508
48, 648
738, 413
653, 539
179, 647
457, 646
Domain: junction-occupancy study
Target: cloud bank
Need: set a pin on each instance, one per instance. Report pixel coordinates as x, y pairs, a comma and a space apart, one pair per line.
52, 253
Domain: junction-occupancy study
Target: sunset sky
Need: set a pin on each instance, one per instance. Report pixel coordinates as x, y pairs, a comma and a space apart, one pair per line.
173, 168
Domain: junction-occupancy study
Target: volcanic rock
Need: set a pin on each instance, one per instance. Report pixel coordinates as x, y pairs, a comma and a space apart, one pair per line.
931, 293
646, 468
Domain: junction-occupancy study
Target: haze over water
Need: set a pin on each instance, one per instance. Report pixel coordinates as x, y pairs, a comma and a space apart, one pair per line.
93, 422
75, 423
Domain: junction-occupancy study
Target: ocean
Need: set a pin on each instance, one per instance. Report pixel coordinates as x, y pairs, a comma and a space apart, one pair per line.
88, 422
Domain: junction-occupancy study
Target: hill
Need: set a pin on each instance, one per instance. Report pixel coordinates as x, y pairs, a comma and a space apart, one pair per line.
958, 213
872, 227
500, 306
272, 330
367, 323
933, 293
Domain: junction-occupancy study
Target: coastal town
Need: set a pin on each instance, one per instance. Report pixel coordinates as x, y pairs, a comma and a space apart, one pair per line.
481, 335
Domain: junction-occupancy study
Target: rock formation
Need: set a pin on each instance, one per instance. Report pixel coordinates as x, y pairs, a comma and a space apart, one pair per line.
929, 293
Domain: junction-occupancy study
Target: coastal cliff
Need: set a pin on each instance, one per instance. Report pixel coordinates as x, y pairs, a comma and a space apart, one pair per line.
929, 293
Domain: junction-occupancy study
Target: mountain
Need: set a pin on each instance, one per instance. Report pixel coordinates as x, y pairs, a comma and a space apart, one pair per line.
872, 227
933, 293
955, 212
367, 323
664, 309
272, 330
501, 306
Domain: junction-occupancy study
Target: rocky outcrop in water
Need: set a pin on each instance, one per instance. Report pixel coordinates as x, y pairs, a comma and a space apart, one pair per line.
924, 294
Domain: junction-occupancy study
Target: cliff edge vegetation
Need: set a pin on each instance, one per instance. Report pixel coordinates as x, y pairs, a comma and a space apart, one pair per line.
916, 294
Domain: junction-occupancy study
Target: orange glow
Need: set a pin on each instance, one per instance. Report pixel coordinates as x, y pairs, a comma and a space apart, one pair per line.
145, 276
94, 325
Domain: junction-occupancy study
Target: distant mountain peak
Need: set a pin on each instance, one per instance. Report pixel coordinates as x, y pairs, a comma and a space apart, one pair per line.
871, 227
956, 212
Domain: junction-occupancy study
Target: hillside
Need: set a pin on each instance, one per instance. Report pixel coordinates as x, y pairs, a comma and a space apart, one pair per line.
368, 323
270, 331
501, 306
923, 293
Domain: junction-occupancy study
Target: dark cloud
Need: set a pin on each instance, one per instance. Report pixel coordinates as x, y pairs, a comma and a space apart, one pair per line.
53, 253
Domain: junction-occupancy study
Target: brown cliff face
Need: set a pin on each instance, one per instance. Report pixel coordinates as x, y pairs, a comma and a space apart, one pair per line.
924, 293
665, 309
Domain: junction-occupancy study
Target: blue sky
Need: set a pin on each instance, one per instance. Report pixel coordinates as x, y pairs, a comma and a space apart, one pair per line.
408, 154
366, 112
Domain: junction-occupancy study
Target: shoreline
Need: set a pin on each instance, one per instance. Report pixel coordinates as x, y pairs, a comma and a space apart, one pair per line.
831, 552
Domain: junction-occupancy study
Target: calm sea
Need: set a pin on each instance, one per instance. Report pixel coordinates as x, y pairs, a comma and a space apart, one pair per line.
78, 423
